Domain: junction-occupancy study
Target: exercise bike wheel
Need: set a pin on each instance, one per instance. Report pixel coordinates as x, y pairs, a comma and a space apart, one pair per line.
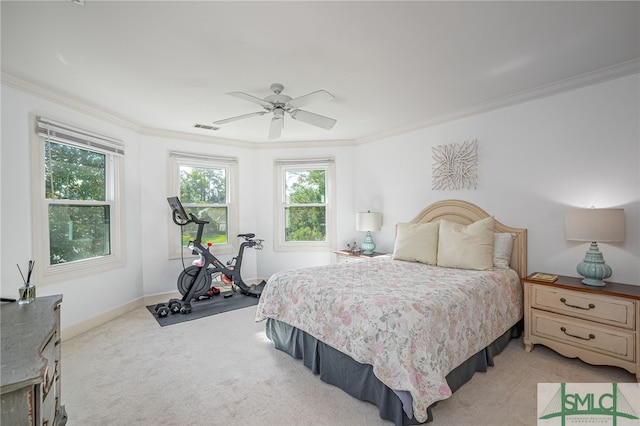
186, 277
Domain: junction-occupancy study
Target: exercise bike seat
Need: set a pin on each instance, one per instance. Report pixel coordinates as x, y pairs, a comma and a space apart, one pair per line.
246, 235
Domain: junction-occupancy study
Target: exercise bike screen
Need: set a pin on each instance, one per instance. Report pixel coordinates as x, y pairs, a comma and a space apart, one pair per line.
178, 210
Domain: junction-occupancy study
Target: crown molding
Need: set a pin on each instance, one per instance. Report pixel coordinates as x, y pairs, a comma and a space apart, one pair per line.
583, 80
81, 106
246, 144
67, 101
304, 144
171, 134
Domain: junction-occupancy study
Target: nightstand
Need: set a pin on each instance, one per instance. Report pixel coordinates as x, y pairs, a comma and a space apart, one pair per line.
599, 325
343, 256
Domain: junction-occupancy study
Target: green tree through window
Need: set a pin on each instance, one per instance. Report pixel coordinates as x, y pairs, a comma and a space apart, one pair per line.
78, 211
208, 188
204, 191
305, 210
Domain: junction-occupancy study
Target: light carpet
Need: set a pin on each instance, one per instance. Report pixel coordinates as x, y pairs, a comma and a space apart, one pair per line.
222, 370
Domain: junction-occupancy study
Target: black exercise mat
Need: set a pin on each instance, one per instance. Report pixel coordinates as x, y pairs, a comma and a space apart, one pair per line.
205, 308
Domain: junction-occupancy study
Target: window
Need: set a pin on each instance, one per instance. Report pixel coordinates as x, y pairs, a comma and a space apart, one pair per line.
304, 216
206, 187
77, 200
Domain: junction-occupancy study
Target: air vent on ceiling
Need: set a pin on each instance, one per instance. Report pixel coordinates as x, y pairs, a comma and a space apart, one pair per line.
205, 127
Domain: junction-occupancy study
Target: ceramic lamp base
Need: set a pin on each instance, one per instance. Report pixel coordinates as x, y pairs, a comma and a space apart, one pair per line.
593, 268
368, 246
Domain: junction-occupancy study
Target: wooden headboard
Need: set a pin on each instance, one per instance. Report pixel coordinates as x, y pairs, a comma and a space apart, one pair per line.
464, 213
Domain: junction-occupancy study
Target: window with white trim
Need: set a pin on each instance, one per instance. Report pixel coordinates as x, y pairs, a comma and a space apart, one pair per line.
304, 209
206, 186
77, 198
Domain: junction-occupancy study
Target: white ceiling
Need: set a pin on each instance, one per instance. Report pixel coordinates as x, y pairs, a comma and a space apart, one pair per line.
392, 66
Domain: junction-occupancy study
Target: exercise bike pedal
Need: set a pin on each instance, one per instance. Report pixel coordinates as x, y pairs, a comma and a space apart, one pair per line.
213, 291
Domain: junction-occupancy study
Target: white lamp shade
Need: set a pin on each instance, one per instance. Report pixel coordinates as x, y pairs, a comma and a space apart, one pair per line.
601, 225
368, 221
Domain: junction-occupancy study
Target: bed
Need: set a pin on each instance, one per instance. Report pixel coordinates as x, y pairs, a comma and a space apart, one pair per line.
406, 330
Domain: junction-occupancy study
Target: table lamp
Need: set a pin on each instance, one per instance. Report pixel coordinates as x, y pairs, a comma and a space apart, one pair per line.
368, 222
603, 225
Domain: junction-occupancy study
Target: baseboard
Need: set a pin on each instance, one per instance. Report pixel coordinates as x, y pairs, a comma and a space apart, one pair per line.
160, 298
75, 330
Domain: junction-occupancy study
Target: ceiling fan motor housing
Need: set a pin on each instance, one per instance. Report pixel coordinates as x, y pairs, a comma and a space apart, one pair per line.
278, 101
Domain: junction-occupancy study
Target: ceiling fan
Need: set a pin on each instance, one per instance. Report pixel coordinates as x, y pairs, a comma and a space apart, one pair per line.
278, 104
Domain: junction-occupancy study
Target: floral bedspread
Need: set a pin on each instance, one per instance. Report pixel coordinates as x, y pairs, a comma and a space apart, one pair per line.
412, 322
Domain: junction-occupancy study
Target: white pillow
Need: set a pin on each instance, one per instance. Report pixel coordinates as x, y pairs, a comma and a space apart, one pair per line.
416, 242
466, 247
502, 248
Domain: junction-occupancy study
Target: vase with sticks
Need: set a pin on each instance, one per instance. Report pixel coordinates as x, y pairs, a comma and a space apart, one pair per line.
27, 293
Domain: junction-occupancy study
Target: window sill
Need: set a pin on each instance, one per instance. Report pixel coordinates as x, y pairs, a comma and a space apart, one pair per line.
80, 268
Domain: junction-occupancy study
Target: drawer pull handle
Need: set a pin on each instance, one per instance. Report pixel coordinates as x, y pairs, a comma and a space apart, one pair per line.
591, 305
564, 330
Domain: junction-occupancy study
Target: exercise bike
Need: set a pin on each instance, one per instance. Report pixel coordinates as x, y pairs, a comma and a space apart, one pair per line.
195, 281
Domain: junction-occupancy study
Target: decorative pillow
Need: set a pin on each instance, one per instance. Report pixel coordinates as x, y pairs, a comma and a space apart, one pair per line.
466, 247
417, 242
502, 247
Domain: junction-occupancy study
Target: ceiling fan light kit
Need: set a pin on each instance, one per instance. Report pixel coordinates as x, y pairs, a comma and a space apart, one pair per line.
279, 104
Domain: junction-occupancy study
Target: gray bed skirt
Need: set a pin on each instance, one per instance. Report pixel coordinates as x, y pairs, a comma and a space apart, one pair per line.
358, 379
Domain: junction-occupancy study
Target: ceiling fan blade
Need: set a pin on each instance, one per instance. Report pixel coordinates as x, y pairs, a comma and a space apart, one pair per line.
239, 117
275, 130
314, 119
320, 95
250, 98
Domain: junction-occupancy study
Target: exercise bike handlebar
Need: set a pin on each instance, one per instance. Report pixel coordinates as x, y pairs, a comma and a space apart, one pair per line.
256, 244
192, 219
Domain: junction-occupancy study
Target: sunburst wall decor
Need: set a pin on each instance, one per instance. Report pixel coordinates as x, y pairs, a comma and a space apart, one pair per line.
455, 166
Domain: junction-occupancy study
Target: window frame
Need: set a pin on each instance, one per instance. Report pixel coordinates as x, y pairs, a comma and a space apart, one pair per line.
281, 167
46, 129
230, 164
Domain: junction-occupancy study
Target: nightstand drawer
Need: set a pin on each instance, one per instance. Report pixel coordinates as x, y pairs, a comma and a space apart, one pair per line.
582, 334
603, 309
348, 259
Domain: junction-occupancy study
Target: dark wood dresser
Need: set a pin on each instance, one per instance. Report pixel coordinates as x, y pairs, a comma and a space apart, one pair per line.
30, 374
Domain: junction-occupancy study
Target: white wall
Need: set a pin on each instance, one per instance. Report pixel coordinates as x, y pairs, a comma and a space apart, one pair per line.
270, 261
85, 297
579, 148
536, 159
